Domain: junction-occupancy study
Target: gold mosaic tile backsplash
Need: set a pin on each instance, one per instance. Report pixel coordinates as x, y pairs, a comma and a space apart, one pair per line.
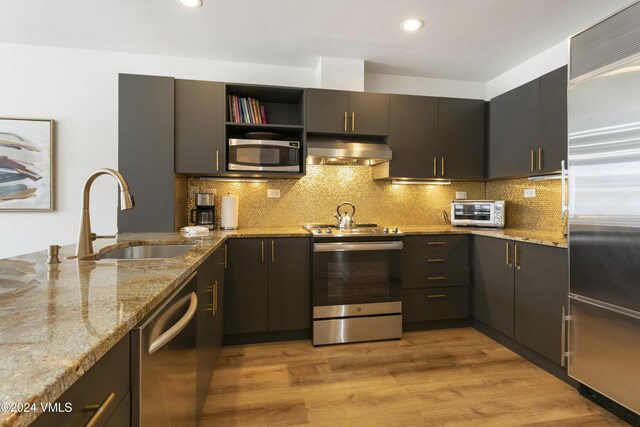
313, 199
538, 213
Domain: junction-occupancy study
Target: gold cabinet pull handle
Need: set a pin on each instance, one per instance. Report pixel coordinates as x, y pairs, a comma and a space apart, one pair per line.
436, 243
437, 278
539, 159
436, 296
345, 121
215, 297
273, 251
435, 166
442, 166
225, 256
436, 259
99, 410
217, 161
353, 121
262, 256
532, 160
515, 256
507, 254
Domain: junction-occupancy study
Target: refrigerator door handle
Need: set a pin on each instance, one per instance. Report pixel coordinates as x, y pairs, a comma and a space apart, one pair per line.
563, 194
564, 344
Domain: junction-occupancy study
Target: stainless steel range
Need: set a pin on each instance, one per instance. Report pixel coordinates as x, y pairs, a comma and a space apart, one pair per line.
356, 288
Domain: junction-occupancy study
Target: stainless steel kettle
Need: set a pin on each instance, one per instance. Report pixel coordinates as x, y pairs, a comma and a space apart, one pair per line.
345, 221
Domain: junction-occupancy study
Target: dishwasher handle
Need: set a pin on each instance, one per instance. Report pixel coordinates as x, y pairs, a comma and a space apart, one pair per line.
170, 333
357, 246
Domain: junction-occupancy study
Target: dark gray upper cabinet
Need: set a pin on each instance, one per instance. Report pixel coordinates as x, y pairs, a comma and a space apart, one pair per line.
461, 138
413, 135
434, 138
541, 289
199, 127
347, 113
528, 127
553, 120
267, 285
146, 152
493, 289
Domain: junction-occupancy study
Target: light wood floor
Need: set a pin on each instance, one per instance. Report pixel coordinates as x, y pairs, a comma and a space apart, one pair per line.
454, 377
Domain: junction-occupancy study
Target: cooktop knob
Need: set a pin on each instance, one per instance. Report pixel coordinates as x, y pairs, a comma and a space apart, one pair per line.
385, 230
395, 230
328, 231
317, 231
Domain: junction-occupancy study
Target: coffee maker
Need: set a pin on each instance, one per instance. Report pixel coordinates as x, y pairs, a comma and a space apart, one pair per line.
205, 212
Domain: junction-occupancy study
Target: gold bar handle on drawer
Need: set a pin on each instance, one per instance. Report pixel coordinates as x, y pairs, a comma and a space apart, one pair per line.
435, 166
507, 254
436, 296
273, 251
442, 166
436, 259
262, 256
99, 410
215, 297
539, 159
436, 243
345, 121
217, 160
532, 160
437, 278
353, 121
515, 256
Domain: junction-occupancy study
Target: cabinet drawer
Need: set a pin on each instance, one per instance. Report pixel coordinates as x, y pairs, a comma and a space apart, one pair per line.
435, 304
109, 375
447, 259
436, 243
435, 277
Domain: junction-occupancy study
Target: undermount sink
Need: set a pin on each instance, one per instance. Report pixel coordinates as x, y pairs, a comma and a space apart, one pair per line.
147, 251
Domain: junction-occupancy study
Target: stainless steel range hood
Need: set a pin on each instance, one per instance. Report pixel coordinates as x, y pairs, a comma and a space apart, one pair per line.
335, 151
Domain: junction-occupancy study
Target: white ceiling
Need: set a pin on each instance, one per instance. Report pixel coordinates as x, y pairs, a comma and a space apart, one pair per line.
473, 40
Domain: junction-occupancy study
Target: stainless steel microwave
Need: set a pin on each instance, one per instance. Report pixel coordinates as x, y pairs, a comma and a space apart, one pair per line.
264, 155
478, 213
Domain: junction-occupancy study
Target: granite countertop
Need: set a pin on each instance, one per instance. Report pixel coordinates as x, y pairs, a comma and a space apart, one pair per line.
530, 236
57, 321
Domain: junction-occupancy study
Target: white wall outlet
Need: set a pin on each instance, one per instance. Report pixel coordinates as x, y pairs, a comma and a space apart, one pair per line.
529, 192
461, 195
273, 193
193, 189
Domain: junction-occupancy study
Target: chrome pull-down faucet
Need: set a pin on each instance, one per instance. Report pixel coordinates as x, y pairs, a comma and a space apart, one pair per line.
85, 237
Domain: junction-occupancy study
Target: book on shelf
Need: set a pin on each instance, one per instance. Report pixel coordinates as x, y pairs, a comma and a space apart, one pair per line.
246, 110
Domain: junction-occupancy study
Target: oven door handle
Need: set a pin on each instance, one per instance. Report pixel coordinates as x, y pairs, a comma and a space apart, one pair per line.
357, 246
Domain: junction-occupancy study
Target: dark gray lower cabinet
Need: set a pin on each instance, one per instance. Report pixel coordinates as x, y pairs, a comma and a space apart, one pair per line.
541, 289
435, 278
519, 289
493, 291
267, 285
109, 375
210, 290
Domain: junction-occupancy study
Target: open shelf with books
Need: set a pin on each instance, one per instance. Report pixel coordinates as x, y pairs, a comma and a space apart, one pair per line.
264, 106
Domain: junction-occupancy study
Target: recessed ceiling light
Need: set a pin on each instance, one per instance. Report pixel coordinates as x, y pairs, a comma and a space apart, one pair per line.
412, 24
191, 3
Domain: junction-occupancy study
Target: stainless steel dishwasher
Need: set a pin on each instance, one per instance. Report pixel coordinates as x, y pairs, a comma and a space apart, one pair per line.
163, 352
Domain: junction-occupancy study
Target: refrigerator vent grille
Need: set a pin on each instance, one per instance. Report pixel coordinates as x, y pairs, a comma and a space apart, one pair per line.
607, 42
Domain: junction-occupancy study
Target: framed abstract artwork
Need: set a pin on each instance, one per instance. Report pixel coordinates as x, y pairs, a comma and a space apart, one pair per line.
26, 165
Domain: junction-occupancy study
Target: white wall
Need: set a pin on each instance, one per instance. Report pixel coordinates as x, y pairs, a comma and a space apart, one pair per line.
340, 73
549, 60
387, 83
79, 89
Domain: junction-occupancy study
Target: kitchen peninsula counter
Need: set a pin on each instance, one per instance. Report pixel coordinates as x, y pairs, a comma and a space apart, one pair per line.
57, 321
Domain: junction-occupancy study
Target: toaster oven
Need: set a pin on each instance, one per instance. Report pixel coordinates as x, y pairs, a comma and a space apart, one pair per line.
478, 213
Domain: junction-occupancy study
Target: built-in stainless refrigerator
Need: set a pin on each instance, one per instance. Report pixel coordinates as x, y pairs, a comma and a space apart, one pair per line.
603, 348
